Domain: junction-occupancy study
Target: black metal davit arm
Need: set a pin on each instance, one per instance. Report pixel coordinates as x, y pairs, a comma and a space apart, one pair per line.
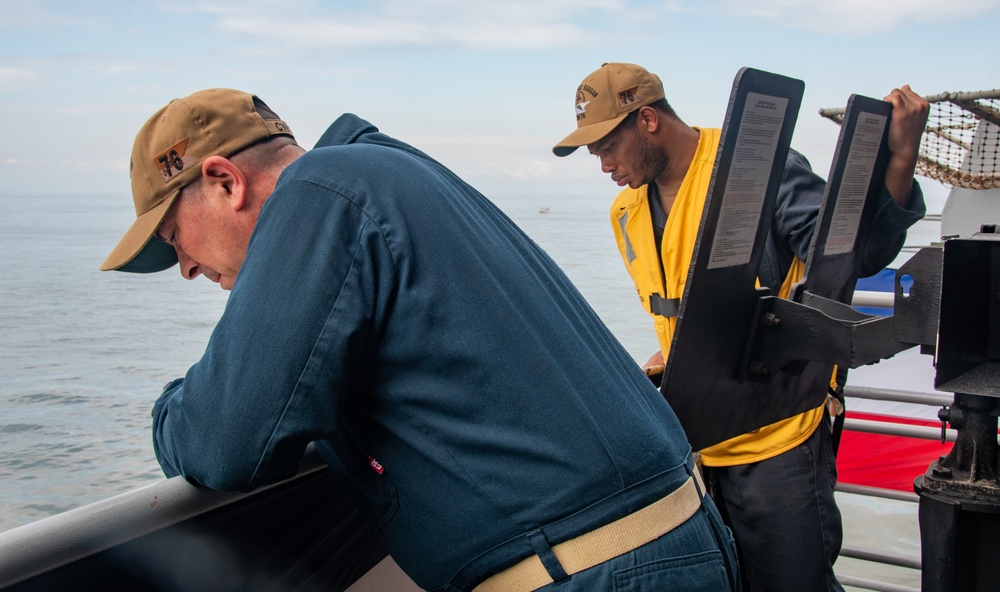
742, 358
771, 358
824, 330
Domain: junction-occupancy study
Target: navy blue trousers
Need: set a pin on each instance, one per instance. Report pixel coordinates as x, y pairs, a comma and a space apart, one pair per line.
697, 556
783, 514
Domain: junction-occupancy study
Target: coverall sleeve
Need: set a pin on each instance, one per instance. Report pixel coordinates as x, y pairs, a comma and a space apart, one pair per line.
889, 228
294, 341
797, 207
797, 210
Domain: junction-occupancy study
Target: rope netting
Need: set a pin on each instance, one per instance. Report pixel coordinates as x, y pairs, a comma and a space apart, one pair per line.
961, 143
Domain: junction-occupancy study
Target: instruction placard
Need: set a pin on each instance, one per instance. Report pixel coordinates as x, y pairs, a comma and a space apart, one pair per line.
746, 186
850, 200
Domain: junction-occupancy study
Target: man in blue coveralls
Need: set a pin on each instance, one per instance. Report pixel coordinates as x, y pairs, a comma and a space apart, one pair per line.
479, 413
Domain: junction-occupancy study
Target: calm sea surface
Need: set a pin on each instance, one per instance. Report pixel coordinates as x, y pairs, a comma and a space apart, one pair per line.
83, 354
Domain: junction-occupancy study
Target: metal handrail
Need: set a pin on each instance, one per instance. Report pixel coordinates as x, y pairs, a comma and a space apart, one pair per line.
52, 542
877, 427
866, 584
894, 429
897, 559
880, 394
865, 490
873, 299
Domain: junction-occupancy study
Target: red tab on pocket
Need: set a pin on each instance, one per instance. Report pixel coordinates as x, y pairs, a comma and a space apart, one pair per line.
375, 465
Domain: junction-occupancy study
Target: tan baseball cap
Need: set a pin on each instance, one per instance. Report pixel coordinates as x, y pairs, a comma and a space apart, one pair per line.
603, 100
167, 155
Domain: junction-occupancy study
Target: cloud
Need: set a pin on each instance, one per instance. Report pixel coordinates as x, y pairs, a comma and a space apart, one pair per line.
62, 70
525, 25
493, 157
15, 79
55, 167
858, 17
247, 6
510, 24
26, 13
382, 32
95, 164
20, 162
536, 169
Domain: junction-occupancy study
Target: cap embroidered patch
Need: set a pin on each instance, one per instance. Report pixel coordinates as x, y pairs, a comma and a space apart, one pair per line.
172, 160
581, 109
628, 96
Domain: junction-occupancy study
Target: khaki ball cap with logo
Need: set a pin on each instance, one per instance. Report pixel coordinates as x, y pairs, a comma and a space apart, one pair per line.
167, 155
605, 98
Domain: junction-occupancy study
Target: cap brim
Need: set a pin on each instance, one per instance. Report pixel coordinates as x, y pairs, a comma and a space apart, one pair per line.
587, 134
139, 251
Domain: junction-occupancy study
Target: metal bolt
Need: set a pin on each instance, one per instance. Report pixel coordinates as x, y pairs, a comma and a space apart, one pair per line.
758, 368
770, 320
944, 414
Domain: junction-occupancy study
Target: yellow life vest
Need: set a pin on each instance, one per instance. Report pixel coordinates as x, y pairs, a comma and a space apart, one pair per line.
663, 280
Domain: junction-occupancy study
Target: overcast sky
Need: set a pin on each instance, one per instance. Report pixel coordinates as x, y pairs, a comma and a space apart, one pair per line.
485, 87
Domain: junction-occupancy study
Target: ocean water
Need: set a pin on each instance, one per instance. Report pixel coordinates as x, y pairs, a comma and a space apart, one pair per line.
84, 354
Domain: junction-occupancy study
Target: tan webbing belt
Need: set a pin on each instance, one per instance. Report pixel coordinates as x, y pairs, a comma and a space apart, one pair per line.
604, 543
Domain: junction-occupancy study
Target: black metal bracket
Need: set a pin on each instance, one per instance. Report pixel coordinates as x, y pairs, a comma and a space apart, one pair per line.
819, 329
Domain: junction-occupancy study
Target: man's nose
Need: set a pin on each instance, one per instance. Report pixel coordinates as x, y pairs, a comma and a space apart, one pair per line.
189, 267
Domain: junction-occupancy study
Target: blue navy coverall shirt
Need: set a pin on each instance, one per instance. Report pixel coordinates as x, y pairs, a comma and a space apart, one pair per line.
443, 364
796, 212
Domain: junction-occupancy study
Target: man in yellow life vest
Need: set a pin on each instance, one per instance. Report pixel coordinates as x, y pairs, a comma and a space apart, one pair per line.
775, 484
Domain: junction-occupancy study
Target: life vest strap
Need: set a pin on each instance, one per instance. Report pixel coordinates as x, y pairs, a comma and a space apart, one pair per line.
665, 307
